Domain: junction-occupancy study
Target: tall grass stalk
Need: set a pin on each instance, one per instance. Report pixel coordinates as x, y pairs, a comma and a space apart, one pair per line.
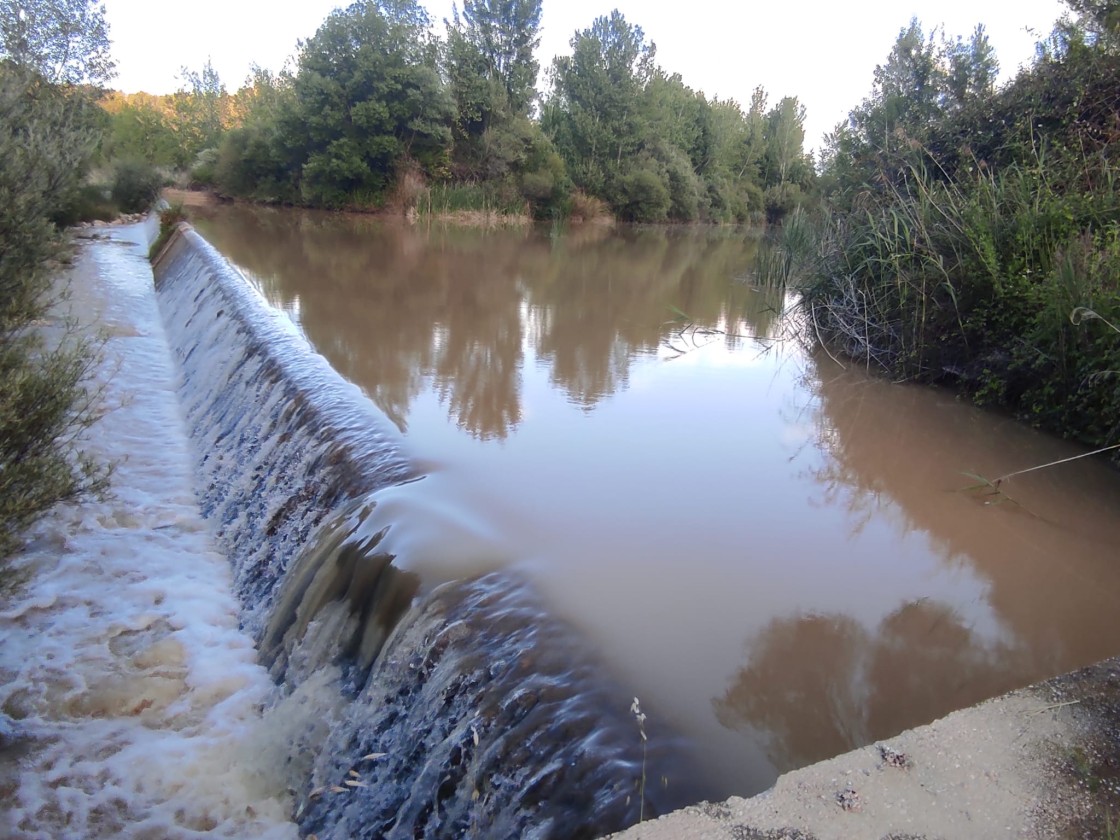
970, 280
639, 716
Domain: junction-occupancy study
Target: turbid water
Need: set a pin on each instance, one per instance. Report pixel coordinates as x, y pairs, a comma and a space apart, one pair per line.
775, 554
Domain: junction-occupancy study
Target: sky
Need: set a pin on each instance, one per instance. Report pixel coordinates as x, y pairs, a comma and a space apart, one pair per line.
822, 52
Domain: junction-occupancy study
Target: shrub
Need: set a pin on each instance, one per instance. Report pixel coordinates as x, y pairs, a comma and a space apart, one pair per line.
781, 200
688, 199
136, 185
643, 196
204, 170
587, 208
43, 402
85, 203
169, 217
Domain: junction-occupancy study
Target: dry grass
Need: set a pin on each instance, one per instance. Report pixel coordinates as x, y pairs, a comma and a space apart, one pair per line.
588, 210
189, 198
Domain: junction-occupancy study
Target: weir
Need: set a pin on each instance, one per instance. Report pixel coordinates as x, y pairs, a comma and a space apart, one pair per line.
408, 709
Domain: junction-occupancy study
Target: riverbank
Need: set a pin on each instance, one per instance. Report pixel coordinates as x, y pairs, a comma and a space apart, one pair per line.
485, 219
129, 699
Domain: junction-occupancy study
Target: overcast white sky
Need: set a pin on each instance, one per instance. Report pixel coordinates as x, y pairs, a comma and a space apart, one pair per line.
822, 52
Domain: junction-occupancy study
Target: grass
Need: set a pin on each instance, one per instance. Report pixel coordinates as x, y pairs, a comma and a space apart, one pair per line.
970, 281
169, 217
469, 203
639, 716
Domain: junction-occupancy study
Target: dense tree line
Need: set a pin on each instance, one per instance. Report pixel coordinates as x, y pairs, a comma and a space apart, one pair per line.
972, 233
380, 111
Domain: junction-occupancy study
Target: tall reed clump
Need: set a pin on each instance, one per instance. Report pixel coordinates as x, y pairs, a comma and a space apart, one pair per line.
44, 404
471, 203
971, 281
791, 250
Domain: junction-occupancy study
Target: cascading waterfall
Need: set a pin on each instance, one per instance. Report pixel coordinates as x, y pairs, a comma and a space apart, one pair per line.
409, 711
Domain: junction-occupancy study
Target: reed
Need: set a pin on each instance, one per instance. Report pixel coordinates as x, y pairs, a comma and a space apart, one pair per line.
971, 281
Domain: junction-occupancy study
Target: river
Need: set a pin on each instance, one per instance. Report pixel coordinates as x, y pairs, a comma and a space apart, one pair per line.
776, 554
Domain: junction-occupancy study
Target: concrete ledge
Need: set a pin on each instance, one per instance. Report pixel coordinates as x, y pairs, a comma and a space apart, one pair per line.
1039, 762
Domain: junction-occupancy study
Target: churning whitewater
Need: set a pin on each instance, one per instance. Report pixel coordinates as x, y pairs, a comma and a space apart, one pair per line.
266, 515
409, 709
129, 699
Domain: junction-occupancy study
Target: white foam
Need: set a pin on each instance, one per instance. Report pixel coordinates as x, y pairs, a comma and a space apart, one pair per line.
129, 699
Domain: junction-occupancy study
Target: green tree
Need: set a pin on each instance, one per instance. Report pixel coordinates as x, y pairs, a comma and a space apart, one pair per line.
254, 160
908, 91
972, 68
367, 94
63, 41
200, 112
502, 35
139, 128
785, 140
595, 115
1101, 17
492, 75
47, 137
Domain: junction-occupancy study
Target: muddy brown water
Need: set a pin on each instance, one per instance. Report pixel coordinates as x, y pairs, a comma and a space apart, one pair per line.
776, 555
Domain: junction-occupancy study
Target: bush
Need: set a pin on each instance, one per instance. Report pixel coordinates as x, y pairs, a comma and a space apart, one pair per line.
136, 185
586, 208
85, 203
688, 198
204, 170
643, 196
169, 218
973, 281
780, 201
43, 402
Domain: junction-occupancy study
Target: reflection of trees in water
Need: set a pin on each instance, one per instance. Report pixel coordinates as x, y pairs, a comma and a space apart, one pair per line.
1049, 563
819, 685
393, 307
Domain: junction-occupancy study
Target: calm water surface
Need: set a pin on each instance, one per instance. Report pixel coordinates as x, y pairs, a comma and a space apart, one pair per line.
772, 552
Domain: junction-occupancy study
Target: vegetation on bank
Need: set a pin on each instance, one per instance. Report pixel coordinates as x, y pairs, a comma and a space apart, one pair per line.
48, 136
967, 230
380, 113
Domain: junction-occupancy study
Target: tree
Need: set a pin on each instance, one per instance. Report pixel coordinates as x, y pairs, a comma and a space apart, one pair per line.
64, 41
498, 37
492, 75
1102, 17
908, 90
595, 115
200, 111
367, 94
785, 139
972, 68
47, 136
139, 128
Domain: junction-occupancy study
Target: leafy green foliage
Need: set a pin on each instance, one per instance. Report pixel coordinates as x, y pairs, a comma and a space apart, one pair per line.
367, 94
379, 114
961, 240
620, 121
141, 128
47, 136
136, 185
64, 42
199, 112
